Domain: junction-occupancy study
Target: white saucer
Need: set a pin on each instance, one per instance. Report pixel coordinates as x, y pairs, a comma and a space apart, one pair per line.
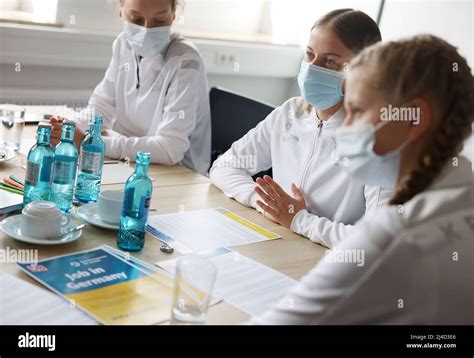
11, 227
89, 213
9, 155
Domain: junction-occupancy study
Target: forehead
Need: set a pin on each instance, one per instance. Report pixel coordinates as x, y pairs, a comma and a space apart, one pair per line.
323, 39
148, 6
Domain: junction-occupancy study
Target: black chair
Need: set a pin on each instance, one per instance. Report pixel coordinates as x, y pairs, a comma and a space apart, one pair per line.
232, 116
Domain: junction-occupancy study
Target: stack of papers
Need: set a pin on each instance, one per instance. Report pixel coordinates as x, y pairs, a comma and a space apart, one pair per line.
22, 303
10, 202
242, 282
203, 230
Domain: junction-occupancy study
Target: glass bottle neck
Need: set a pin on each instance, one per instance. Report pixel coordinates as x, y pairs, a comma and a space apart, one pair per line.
44, 136
68, 134
141, 168
95, 129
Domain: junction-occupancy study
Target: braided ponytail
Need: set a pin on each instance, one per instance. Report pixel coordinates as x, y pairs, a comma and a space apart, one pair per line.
429, 67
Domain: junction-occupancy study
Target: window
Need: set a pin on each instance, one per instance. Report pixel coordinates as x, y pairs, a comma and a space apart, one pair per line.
29, 11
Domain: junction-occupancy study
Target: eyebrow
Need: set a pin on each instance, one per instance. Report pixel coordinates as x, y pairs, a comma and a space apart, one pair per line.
326, 53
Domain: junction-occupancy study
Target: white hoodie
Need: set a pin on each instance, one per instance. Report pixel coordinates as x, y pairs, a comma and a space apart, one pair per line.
301, 149
158, 104
417, 265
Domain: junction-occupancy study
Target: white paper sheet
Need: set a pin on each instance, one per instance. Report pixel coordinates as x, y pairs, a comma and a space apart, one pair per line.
202, 230
9, 201
22, 303
242, 282
116, 173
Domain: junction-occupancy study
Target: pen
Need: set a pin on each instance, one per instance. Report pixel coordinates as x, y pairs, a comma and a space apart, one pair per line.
14, 178
14, 191
12, 183
6, 185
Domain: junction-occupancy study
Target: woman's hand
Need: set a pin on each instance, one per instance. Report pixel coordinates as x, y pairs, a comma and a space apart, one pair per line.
278, 205
56, 132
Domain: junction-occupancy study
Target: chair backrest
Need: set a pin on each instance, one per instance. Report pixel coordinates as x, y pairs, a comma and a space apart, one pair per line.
232, 116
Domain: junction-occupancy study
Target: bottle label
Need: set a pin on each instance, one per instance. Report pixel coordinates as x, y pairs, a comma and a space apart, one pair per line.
144, 206
91, 162
64, 172
46, 169
32, 171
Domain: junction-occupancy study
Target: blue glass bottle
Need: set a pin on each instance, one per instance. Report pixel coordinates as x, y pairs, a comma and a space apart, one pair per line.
90, 163
136, 202
38, 167
65, 168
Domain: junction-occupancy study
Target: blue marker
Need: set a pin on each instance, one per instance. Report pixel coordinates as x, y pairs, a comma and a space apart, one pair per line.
136, 202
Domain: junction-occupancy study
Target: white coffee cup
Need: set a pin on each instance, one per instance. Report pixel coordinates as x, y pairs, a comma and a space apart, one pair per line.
42, 220
110, 206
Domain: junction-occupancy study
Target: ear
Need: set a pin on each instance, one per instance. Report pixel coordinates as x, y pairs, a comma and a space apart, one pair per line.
423, 112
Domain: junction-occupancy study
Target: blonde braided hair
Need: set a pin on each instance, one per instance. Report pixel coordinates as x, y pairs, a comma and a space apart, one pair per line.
425, 66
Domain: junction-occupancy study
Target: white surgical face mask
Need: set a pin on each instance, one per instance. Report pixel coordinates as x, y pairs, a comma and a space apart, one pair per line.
147, 42
355, 153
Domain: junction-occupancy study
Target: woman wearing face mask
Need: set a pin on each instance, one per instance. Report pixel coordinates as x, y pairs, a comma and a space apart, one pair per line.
416, 255
296, 141
154, 95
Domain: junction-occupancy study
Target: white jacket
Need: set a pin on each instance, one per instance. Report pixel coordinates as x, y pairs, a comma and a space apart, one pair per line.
300, 149
158, 104
418, 265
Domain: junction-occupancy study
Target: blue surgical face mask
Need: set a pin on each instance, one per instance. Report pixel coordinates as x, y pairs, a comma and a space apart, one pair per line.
147, 42
320, 87
355, 154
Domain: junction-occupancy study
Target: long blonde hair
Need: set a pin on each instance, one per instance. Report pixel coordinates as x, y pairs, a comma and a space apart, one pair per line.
428, 67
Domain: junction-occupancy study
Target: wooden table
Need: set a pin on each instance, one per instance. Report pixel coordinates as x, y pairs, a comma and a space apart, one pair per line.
177, 188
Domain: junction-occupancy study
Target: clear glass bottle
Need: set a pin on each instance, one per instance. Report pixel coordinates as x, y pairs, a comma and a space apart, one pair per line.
136, 202
38, 167
90, 164
65, 168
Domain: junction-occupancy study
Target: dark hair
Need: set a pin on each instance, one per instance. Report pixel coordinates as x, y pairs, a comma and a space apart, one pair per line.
174, 3
355, 28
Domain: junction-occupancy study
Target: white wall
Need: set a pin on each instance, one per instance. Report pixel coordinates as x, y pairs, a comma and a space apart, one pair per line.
451, 20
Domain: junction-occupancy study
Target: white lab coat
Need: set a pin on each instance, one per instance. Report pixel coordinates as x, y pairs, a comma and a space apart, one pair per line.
418, 265
300, 149
158, 104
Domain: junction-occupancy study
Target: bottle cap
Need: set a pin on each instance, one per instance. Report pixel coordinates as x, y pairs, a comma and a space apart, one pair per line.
69, 122
44, 124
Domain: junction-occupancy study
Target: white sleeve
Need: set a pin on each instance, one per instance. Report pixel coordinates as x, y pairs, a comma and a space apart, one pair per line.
376, 196
232, 172
323, 231
102, 100
326, 288
171, 140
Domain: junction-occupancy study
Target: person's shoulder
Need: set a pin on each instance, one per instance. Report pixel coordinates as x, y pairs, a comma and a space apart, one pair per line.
295, 108
181, 47
120, 43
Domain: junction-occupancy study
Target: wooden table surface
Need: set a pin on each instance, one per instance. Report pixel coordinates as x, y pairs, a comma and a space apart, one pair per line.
176, 189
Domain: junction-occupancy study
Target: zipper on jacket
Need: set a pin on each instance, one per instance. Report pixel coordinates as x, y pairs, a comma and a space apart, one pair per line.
137, 59
311, 153
138, 76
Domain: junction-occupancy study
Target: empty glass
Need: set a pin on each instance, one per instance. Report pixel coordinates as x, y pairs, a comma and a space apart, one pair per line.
194, 281
12, 122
